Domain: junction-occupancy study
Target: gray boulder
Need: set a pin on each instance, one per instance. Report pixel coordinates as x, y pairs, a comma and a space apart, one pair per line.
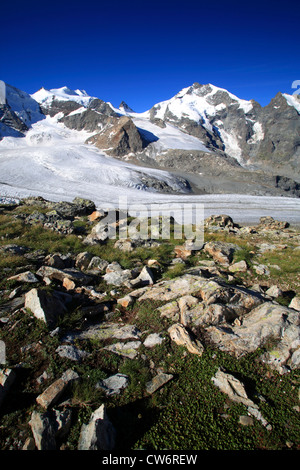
99, 433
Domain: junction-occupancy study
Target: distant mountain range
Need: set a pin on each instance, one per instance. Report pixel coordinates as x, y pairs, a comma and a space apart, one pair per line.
203, 140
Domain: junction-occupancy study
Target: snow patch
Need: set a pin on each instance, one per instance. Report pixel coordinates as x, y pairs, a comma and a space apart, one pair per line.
258, 133
292, 101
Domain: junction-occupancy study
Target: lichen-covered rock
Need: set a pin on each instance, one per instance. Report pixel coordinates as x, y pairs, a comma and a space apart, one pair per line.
266, 323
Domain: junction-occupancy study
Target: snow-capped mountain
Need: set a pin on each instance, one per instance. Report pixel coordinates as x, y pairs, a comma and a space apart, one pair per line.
244, 130
203, 140
19, 113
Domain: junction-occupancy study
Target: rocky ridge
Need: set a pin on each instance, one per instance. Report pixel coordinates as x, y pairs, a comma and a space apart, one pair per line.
217, 298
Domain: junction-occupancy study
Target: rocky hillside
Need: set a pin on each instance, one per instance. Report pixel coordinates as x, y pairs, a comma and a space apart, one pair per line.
146, 344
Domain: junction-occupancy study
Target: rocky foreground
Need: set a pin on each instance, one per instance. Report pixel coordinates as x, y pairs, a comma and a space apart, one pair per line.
90, 325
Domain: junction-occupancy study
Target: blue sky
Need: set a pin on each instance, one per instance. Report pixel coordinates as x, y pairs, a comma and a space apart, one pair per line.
146, 52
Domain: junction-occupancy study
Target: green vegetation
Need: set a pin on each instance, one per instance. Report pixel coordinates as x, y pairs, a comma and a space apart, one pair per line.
189, 412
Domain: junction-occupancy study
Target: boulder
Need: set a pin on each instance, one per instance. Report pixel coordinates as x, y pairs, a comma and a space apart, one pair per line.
241, 266
99, 433
295, 303
126, 301
105, 331
43, 431
157, 382
71, 352
124, 245
97, 264
115, 275
220, 221
83, 260
221, 252
274, 291
47, 427
235, 390
114, 384
145, 278
128, 349
27, 276
152, 340
181, 336
267, 323
51, 395
60, 274
270, 223
46, 306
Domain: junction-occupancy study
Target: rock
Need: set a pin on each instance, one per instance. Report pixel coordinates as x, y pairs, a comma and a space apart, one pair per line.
271, 224
43, 431
115, 275
68, 284
14, 293
99, 433
61, 274
274, 291
52, 393
170, 310
221, 252
246, 420
119, 138
180, 336
185, 303
145, 278
29, 444
262, 270
83, 260
264, 247
182, 252
241, 266
7, 378
172, 289
49, 426
266, 322
27, 276
99, 233
13, 249
83, 206
97, 264
220, 221
295, 303
212, 292
235, 390
114, 384
126, 301
61, 422
128, 349
153, 340
157, 382
96, 215
45, 306
14, 304
71, 352
124, 245
106, 330
55, 261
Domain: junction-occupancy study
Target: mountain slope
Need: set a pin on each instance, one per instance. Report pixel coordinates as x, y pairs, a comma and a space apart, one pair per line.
263, 137
204, 140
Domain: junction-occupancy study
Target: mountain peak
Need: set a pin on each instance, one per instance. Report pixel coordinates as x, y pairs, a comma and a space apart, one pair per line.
124, 107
